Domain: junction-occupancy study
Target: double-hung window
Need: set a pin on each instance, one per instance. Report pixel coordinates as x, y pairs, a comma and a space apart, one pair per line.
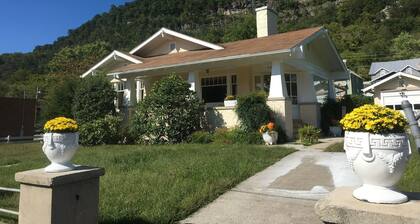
214, 89
119, 88
262, 83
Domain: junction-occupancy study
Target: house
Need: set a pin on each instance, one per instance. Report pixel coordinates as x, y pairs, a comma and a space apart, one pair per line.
284, 65
391, 78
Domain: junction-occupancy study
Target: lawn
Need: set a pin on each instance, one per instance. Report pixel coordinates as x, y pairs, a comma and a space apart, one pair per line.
150, 184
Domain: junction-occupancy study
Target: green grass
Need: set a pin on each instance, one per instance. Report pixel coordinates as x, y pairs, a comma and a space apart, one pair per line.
336, 147
150, 184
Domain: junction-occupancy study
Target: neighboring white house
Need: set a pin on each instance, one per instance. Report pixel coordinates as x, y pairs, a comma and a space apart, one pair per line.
284, 65
390, 78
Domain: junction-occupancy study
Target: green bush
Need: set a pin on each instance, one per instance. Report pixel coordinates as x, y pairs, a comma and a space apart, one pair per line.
354, 101
236, 136
330, 114
170, 113
309, 135
101, 131
201, 137
94, 98
59, 99
253, 111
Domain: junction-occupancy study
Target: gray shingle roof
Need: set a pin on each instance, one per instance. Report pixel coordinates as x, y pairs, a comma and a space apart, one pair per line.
394, 66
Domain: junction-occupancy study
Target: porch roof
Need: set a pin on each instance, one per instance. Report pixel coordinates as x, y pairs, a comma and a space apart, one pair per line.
245, 48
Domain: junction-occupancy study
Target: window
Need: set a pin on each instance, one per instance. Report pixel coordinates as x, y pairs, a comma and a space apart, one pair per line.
119, 88
291, 85
214, 89
172, 46
141, 91
262, 83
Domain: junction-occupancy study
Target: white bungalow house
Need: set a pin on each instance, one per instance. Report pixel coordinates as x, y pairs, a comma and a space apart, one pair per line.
284, 65
390, 78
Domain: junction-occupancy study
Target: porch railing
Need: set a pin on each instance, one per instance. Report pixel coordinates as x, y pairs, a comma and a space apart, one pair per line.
7, 211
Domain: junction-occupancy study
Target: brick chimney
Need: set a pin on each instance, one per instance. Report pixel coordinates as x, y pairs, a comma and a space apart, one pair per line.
266, 21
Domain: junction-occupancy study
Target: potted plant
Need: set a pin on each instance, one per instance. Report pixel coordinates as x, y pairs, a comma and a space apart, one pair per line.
377, 149
61, 140
269, 134
230, 101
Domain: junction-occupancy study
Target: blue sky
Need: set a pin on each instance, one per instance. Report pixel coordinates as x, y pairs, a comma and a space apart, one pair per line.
24, 24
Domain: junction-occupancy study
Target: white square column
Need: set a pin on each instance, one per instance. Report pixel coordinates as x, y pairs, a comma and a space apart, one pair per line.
194, 82
307, 93
277, 83
131, 92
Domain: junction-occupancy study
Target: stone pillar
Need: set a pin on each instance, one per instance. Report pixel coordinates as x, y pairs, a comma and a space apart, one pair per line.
59, 198
331, 89
194, 81
278, 100
308, 104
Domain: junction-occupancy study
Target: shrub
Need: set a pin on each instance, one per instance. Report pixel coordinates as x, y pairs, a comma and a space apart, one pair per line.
309, 135
201, 137
101, 131
168, 114
236, 136
354, 101
253, 111
94, 98
330, 114
59, 99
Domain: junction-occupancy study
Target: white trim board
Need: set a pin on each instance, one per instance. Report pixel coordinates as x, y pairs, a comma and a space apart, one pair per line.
164, 30
389, 78
111, 55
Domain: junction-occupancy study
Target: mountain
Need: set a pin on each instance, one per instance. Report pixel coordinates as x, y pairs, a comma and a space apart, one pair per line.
362, 30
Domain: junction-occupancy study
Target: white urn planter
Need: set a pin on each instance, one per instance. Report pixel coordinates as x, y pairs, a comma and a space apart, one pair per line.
379, 160
230, 103
60, 149
270, 137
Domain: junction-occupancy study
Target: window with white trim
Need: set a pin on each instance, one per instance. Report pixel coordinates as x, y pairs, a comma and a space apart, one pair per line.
214, 89
262, 83
119, 88
291, 85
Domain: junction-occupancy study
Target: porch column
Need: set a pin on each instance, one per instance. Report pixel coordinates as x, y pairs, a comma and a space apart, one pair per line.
278, 99
277, 83
194, 82
331, 89
131, 92
138, 86
308, 105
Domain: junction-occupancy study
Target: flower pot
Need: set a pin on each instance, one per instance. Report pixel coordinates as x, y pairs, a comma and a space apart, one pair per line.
336, 131
60, 149
270, 137
379, 160
230, 103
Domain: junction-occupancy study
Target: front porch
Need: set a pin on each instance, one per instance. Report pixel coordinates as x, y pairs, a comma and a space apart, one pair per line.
290, 88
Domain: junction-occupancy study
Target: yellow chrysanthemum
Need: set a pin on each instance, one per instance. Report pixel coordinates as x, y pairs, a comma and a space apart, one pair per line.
61, 124
374, 119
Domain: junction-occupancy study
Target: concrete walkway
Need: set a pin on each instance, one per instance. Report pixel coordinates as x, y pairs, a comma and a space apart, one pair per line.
285, 192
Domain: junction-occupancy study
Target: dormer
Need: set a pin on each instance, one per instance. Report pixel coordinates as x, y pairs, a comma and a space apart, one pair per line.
167, 41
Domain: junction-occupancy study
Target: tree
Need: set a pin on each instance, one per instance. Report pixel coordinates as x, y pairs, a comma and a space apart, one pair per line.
168, 114
77, 60
59, 98
93, 99
405, 46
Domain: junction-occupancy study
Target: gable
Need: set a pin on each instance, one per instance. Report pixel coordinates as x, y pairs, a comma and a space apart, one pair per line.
159, 44
114, 60
393, 82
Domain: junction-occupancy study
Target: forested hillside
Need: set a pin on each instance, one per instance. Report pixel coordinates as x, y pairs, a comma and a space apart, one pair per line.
363, 30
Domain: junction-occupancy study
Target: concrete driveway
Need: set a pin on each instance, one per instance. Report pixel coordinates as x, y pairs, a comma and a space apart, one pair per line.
285, 192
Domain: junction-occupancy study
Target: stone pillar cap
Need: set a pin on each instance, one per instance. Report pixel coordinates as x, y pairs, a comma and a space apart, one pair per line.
41, 178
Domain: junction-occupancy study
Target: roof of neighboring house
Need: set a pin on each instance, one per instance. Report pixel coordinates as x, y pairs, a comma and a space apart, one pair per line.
394, 66
272, 43
393, 76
